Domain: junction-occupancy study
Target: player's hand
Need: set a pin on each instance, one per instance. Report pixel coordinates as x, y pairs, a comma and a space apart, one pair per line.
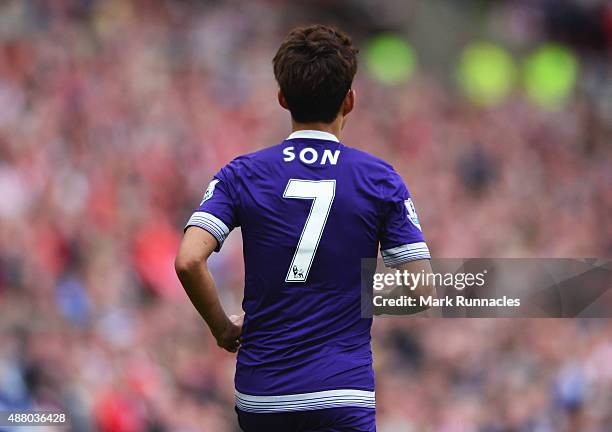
230, 337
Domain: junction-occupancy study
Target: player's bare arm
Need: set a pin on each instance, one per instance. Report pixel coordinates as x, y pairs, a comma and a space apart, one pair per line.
192, 269
425, 288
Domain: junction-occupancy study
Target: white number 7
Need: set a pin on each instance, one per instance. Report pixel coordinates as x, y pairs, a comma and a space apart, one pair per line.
322, 193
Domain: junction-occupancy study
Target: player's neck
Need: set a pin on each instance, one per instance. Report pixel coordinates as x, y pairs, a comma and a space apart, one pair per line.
333, 128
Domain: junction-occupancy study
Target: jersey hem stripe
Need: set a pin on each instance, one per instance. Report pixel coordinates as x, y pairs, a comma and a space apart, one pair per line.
306, 401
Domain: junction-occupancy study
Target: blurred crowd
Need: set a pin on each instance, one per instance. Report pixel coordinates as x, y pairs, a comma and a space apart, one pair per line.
115, 114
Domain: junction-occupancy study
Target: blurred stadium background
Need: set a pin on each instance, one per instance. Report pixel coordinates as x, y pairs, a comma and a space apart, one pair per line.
115, 114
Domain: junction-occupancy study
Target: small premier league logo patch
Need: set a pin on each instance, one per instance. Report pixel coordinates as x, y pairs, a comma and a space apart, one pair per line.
412, 214
209, 191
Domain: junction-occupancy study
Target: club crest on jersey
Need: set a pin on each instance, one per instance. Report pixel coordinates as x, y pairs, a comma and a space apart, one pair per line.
412, 214
209, 191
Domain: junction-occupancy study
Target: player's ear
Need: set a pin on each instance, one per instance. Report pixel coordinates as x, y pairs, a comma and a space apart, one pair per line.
349, 102
281, 100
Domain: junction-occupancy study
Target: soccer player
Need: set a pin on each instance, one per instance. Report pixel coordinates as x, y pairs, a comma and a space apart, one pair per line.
310, 209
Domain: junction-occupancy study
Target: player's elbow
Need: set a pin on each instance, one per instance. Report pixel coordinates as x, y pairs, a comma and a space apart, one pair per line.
426, 288
185, 264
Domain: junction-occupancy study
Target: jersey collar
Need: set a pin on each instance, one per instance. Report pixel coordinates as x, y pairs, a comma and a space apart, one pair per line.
313, 134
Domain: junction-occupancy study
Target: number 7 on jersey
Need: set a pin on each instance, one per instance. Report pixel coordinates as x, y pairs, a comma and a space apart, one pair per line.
322, 193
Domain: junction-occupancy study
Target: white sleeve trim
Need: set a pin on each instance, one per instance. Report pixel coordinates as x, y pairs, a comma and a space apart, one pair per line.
210, 223
405, 253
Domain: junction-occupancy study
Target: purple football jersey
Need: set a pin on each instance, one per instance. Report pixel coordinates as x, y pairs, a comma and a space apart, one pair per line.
310, 209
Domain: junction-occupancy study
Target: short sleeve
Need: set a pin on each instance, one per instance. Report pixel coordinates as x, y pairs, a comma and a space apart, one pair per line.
401, 238
217, 212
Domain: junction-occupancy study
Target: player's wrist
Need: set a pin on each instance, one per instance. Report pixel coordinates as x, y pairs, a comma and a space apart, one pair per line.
221, 327
228, 335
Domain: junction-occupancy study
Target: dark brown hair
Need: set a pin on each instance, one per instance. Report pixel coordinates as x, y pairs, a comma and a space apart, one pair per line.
314, 68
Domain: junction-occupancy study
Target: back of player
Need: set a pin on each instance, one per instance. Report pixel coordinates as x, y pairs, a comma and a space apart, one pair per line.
310, 209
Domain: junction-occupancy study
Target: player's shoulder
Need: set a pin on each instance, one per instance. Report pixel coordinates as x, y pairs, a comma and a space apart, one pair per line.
247, 164
368, 163
376, 172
